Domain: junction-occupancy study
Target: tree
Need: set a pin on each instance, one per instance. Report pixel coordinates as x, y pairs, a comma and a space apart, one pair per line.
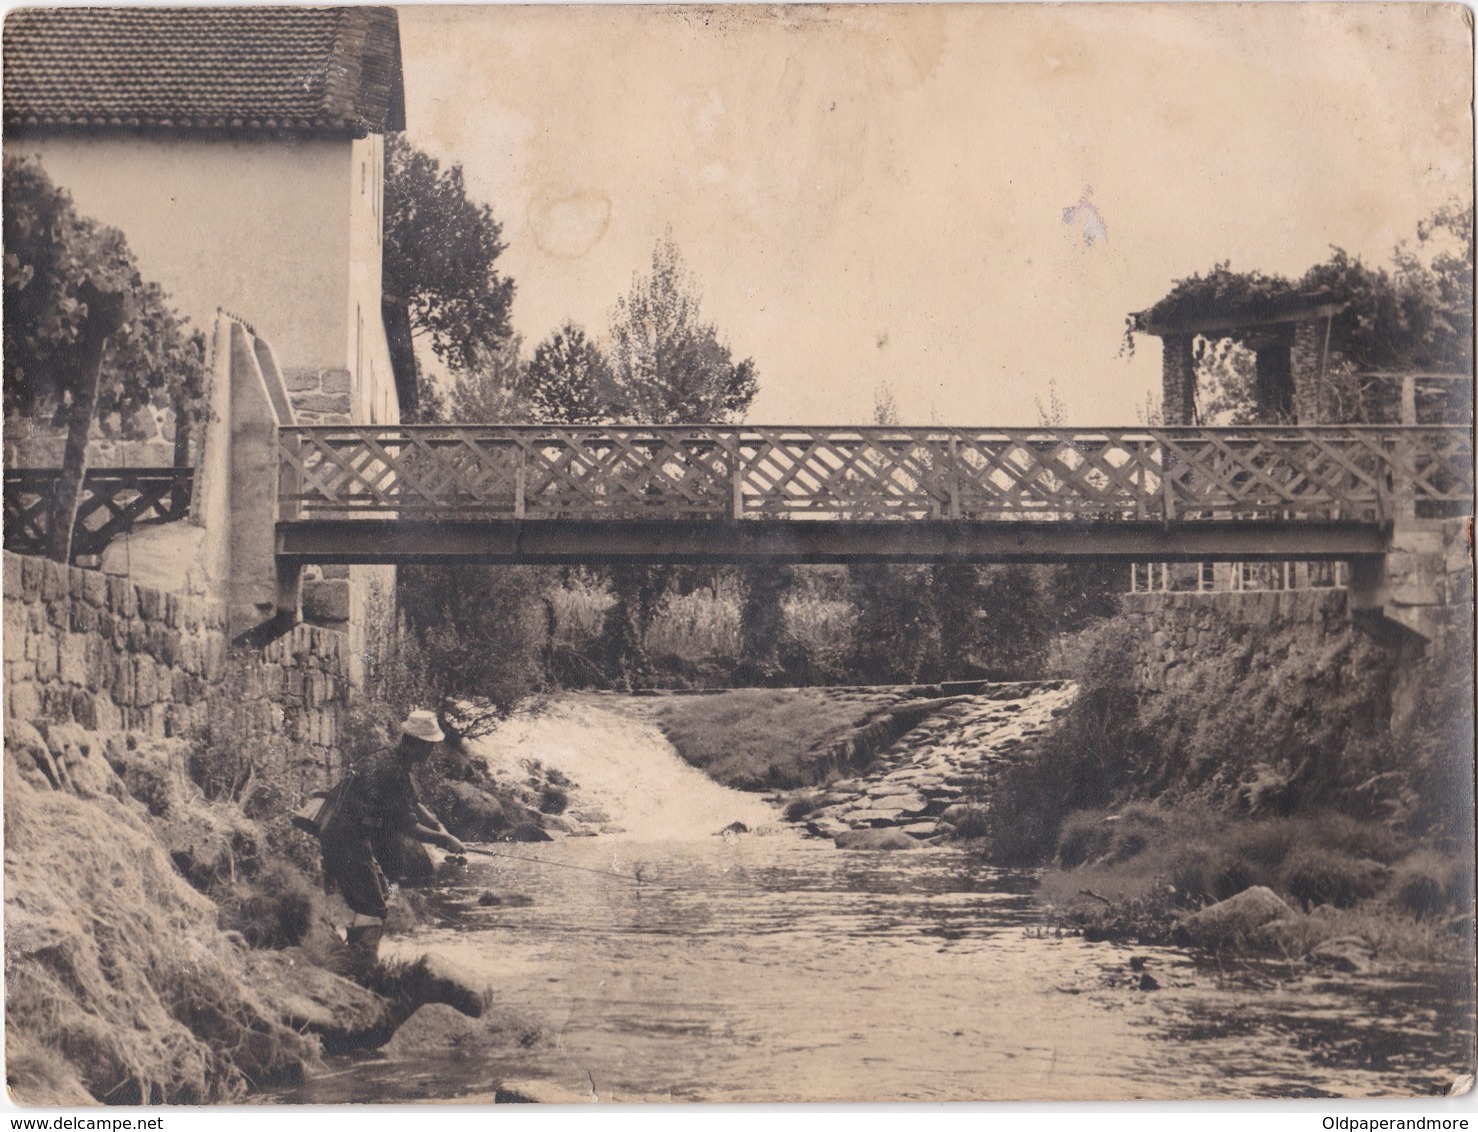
490, 391
1416, 315
441, 250
569, 380
84, 333
669, 365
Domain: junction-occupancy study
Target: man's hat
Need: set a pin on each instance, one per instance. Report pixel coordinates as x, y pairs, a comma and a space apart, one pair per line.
421, 724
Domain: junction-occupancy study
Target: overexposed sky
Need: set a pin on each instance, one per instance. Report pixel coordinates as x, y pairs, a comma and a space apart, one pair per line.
875, 194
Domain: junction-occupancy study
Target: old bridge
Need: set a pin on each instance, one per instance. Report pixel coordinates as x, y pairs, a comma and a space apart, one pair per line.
527, 494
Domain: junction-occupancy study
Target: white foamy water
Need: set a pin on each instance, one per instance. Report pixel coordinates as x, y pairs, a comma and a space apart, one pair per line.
625, 766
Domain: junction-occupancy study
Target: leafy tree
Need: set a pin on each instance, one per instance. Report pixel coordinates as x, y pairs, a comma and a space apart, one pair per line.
490, 391
762, 619
669, 365
480, 631
569, 380
441, 251
1415, 315
84, 333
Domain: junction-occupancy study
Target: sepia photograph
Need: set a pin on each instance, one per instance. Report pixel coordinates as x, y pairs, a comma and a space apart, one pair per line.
832, 553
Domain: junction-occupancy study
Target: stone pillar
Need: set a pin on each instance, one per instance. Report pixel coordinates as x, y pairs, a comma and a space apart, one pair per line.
1306, 364
256, 593
1178, 377
1424, 579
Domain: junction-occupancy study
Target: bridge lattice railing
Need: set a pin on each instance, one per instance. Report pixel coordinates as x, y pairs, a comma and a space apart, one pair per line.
113, 502
698, 471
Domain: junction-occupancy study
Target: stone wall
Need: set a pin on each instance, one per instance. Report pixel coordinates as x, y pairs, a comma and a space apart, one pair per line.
1176, 629
144, 440
319, 396
110, 654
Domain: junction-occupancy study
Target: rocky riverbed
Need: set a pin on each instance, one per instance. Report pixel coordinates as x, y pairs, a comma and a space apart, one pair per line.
926, 784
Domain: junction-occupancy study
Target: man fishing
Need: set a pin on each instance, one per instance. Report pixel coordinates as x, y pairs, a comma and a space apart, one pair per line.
381, 805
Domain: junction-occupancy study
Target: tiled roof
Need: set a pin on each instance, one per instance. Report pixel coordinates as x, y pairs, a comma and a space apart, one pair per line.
329, 70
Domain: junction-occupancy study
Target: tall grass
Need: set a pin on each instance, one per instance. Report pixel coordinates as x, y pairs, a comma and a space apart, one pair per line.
697, 626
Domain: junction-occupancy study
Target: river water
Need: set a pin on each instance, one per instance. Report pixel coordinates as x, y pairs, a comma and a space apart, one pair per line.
668, 962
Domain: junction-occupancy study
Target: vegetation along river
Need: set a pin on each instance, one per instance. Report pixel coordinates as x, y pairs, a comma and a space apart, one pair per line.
675, 963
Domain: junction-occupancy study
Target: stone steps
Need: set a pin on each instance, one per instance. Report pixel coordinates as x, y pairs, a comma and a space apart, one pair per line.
936, 766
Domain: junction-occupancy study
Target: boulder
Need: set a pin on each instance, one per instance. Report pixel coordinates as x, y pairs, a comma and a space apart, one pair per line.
1234, 919
1348, 953
434, 978
526, 831
875, 839
468, 813
889, 789
540, 1092
733, 827
921, 829
439, 1031
343, 1014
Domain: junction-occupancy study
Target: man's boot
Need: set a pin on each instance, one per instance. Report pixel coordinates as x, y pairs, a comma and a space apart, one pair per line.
363, 942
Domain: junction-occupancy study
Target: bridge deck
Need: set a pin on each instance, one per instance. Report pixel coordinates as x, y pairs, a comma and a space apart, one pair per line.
699, 493
516, 542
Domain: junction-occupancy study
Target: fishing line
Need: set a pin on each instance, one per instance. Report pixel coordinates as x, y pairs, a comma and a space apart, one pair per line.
563, 865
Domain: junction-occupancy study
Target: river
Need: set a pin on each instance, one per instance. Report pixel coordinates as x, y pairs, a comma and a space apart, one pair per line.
668, 962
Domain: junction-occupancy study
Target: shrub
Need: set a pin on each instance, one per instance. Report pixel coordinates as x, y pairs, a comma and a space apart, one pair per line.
973, 822
274, 910
1081, 840
1427, 884
798, 809
1326, 876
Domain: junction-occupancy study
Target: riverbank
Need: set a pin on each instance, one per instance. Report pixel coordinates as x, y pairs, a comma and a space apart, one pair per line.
1316, 887
1294, 755
1257, 743
163, 948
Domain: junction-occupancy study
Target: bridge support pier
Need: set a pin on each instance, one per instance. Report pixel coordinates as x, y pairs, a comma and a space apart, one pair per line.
1423, 580
236, 502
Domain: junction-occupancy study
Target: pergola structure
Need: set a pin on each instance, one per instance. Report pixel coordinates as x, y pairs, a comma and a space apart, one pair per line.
1289, 334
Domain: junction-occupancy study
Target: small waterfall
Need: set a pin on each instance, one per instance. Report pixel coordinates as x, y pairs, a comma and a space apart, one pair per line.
626, 767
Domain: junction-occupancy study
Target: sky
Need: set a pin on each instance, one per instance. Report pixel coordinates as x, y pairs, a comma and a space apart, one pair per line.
874, 197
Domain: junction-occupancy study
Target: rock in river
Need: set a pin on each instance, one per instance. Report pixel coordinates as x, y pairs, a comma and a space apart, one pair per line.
343, 1014
441, 1031
875, 839
1347, 953
1235, 918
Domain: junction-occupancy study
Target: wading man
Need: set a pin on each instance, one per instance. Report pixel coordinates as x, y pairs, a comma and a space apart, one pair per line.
362, 842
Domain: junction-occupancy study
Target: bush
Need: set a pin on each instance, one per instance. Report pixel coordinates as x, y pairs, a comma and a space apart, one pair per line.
798, 809
973, 822
1083, 839
1326, 876
1426, 885
276, 909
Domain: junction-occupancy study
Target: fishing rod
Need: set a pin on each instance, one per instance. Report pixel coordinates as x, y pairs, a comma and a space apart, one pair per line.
561, 865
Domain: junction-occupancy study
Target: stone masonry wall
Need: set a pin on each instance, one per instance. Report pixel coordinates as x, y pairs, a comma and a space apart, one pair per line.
319, 396
82, 646
1175, 629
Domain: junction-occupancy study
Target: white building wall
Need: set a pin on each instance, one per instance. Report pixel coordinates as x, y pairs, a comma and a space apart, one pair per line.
255, 227
285, 234
367, 347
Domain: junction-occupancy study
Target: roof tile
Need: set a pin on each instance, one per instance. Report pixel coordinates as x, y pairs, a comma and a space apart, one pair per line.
271, 68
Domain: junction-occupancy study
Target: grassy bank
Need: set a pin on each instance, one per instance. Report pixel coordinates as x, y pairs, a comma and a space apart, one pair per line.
1312, 760
786, 738
169, 943
1136, 872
